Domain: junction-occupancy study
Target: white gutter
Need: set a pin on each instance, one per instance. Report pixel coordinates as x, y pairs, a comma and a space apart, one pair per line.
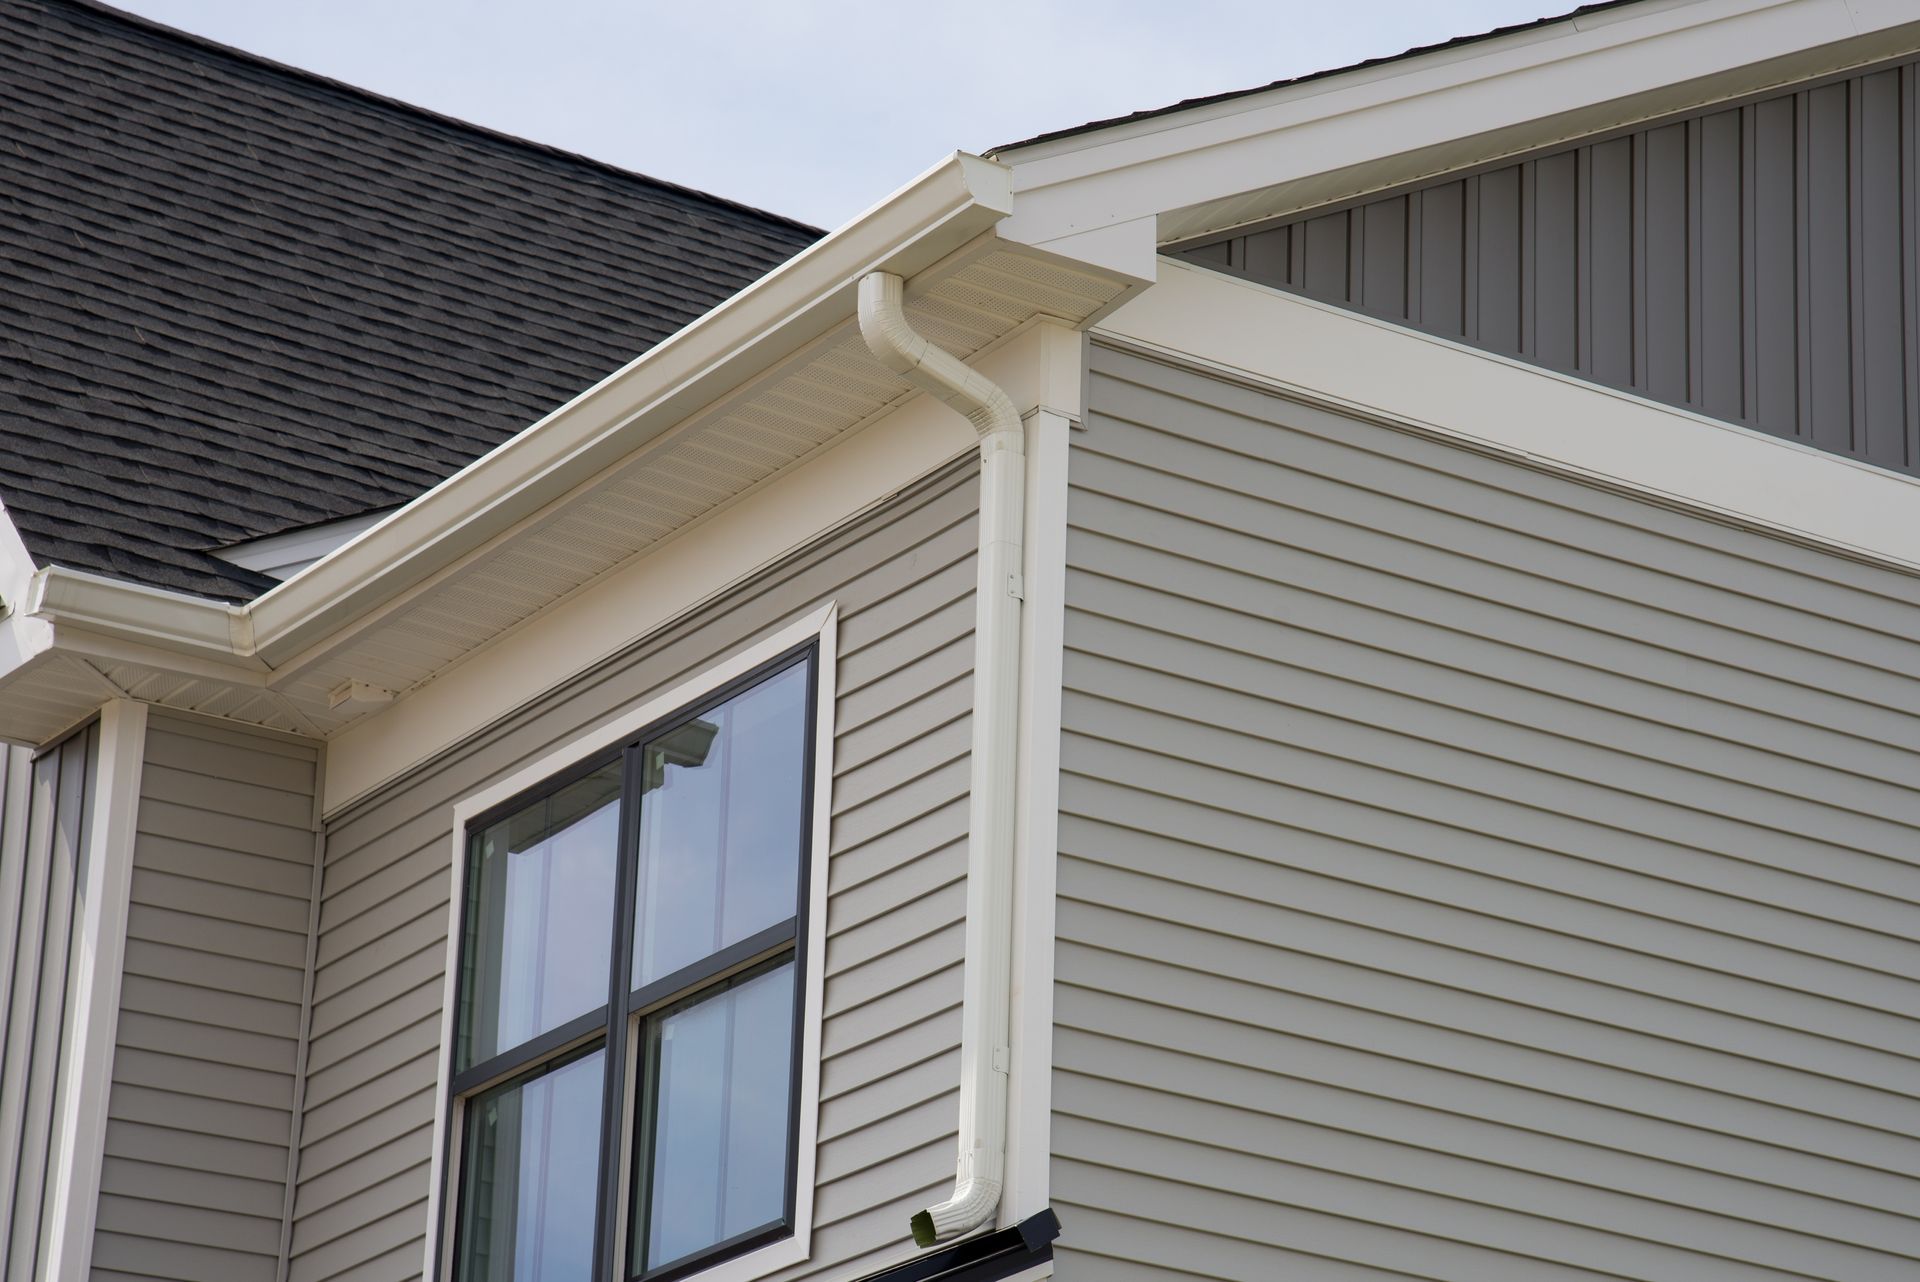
987, 989
938, 212
167, 620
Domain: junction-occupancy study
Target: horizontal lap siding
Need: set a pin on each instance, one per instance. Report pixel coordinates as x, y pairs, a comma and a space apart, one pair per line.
904, 582
1468, 874
194, 1181
44, 825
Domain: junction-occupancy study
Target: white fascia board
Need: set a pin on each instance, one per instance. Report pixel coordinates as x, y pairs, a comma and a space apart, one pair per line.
943, 209
1380, 126
1324, 355
938, 212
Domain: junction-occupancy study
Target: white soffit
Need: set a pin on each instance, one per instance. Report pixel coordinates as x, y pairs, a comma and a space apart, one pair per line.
704, 464
740, 397
1255, 157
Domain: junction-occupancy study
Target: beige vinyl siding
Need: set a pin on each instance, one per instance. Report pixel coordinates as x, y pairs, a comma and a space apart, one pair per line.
903, 579
193, 1185
1470, 874
44, 824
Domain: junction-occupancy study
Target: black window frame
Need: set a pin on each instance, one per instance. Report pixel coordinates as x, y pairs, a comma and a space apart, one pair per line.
623, 1024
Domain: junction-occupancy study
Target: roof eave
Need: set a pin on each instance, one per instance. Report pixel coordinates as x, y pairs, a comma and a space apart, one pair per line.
258, 644
942, 209
1378, 126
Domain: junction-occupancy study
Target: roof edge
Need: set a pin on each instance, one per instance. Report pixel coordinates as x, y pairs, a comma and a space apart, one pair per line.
944, 208
1288, 82
179, 35
1251, 157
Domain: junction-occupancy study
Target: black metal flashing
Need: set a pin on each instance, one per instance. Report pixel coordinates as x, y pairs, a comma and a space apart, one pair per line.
987, 1258
237, 298
1415, 52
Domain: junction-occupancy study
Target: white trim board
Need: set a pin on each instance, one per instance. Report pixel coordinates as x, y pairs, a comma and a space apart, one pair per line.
1036, 850
820, 625
1252, 157
99, 948
1324, 354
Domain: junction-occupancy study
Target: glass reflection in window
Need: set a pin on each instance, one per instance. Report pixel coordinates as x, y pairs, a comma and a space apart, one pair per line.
716, 1168
720, 820
539, 916
531, 1166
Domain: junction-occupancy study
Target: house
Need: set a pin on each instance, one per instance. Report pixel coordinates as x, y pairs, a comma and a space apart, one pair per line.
1318, 683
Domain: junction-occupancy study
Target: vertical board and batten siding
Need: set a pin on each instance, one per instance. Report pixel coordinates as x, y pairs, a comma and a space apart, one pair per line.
193, 1182
904, 582
1470, 874
1758, 263
44, 824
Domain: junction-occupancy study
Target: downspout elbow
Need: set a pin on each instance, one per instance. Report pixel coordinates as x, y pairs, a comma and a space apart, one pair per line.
895, 344
985, 1053
973, 1201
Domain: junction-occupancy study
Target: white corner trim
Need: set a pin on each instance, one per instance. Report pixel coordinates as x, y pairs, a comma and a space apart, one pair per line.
822, 626
1356, 364
1036, 849
99, 947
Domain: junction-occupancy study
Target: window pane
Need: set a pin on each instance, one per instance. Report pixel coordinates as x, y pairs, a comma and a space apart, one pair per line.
720, 835
530, 1163
721, 1120
539, 917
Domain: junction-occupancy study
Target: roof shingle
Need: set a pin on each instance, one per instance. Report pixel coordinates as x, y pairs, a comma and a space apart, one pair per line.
237, 298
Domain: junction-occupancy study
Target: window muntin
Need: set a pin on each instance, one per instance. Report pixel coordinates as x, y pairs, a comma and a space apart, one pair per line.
731, 855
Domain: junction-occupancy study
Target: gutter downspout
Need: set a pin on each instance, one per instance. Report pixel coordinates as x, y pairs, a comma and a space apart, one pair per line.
984, 1050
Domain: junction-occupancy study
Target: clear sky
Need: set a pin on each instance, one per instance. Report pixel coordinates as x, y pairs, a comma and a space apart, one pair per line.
814, 108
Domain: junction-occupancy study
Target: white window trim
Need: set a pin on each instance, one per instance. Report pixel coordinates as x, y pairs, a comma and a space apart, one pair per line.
820, 627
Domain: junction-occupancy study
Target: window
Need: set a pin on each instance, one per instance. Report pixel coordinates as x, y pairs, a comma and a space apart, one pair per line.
625, 1079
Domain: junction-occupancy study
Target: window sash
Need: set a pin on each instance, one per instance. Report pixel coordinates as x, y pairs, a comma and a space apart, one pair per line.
621, 1022
646, 1093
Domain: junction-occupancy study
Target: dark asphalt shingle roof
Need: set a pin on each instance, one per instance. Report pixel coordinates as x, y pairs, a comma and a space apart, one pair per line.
1188, 103
237, 298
